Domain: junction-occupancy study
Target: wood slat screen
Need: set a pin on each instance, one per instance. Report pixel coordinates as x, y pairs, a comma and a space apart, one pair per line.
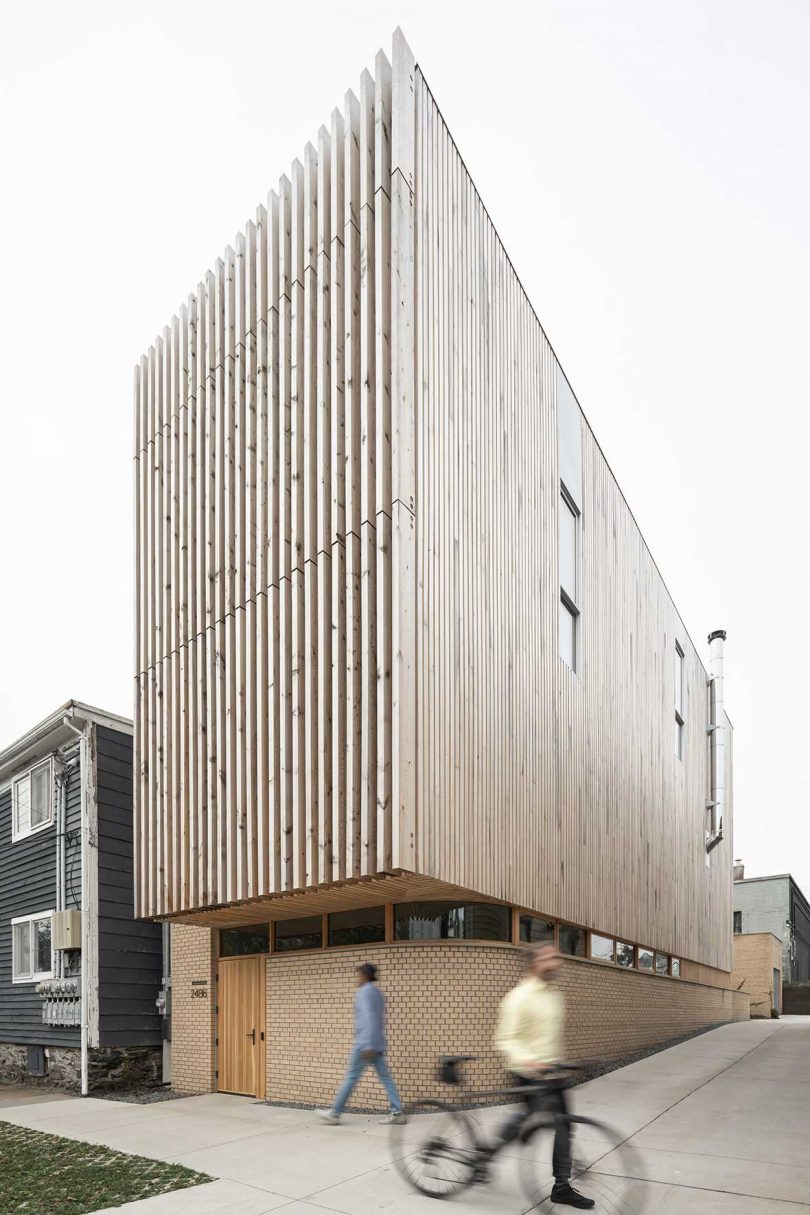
274, 517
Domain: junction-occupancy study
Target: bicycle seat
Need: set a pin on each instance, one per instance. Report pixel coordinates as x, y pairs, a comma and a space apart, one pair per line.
449, 1067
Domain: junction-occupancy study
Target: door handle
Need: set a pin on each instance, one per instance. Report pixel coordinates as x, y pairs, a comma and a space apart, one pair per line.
251, 1033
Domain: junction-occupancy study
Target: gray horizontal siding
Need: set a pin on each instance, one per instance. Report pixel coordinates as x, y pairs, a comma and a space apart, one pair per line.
129, 949
28, 884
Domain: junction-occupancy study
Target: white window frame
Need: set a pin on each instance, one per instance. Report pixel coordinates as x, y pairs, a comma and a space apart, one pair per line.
568, 604
16, 833
680, 716
35, 976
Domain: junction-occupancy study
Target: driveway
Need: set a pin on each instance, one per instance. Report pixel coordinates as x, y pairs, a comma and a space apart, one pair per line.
719, 1125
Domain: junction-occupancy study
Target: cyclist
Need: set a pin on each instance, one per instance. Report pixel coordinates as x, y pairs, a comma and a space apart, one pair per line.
368, 1048
528, 1036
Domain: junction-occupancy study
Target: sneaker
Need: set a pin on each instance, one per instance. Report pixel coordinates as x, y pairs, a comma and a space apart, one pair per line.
566, 1196
329, 1116
398, 1118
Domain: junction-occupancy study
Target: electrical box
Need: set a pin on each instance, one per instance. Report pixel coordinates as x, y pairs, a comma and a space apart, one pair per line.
66, 930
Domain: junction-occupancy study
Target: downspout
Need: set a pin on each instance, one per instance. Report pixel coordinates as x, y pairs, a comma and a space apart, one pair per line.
83, 771
716, 805
61, 781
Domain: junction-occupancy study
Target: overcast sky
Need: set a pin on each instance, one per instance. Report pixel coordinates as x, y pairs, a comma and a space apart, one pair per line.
648, 167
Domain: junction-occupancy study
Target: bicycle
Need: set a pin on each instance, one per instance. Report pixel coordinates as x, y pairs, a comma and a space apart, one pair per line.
439, 1150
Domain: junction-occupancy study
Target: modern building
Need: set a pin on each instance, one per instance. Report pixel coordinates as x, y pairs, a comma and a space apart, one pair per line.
79, 977
409, 683
775, 905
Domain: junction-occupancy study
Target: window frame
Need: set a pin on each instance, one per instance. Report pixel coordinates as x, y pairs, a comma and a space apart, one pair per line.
634, 951
611, 961
327, 935
736, 918
680, 700
454, 905
27, 775
645, 970
34, 976
274, 949
568, 603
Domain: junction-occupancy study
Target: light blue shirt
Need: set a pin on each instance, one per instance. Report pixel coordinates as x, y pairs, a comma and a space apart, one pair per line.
369, 1018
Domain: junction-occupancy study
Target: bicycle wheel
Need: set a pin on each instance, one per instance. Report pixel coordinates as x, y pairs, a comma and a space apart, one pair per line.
435, 1150
603, 1167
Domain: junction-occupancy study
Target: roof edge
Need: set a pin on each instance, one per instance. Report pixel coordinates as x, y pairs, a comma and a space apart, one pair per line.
14, 752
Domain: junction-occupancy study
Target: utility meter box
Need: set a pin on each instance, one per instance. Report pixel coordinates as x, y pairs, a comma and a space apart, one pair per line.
66, 929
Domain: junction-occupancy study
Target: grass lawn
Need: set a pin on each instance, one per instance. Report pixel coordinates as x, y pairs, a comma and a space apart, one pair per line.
47, 1175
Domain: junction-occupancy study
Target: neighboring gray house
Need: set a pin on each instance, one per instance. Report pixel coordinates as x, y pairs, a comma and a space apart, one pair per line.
79, 975
775, 904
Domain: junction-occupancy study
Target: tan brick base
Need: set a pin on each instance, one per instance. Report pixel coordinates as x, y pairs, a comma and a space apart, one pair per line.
756, 956
441, 999
193, 1015
444, 999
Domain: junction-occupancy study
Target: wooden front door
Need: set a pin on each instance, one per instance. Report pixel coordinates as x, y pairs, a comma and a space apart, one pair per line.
240, 1026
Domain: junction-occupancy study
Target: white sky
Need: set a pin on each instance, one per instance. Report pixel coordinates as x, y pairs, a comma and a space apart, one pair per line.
648, 167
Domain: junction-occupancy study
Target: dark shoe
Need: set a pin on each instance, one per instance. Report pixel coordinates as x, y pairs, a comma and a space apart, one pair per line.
566, 1196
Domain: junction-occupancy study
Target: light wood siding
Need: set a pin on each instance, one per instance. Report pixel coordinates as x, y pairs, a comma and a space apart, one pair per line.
347, 493
270, 696
556, 790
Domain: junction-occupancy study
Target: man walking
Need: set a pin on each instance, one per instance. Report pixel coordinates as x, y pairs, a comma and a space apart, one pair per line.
528, 1036
368, 1047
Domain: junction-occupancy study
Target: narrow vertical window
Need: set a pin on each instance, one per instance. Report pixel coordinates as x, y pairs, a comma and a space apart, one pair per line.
569, 590
680, 709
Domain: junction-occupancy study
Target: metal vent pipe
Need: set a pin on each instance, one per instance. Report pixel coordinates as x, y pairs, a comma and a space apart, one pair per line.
717, 741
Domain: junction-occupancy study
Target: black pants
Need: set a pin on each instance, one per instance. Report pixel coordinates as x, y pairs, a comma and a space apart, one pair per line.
551, 1099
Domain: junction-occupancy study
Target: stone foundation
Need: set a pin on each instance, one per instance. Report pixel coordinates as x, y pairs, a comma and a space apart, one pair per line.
112, 1067
107, 1067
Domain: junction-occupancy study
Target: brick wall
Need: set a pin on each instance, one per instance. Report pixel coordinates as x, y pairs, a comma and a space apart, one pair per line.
193, 1016
441, 999
756, 956
444, 999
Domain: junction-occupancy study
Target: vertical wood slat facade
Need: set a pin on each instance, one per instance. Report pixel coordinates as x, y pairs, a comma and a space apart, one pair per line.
347, 495
263, 480
549, 789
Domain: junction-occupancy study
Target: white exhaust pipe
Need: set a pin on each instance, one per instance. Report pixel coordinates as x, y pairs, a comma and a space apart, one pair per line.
716, 806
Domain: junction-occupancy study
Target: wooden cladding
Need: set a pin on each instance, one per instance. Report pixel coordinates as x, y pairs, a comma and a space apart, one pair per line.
348, 586
536, 784
274, 486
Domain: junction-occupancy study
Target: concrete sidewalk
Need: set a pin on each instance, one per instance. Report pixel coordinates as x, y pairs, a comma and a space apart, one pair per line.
720, 1125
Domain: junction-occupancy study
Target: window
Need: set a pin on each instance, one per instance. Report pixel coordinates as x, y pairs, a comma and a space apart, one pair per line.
661, 964
602, 947
738, 922
676, 968
569, 611
306, 933
645, 959
572, 941
680, 709
236, 941
32, 801
31, 953
625, 955
534, 931
436, 921
358, 927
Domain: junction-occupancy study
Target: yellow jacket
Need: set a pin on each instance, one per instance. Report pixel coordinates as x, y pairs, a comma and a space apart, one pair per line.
530, 1025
